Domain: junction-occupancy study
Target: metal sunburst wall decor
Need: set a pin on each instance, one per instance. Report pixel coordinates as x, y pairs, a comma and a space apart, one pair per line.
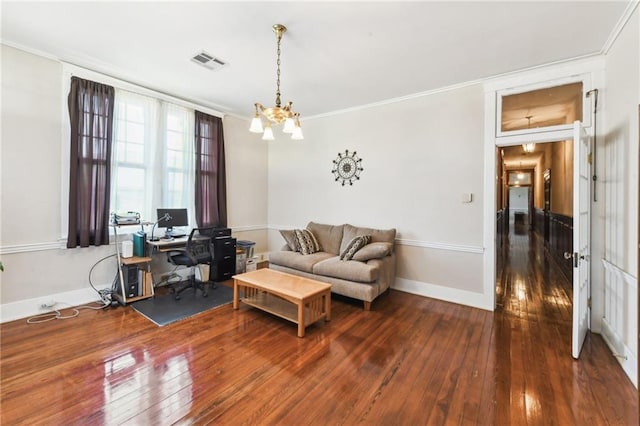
347, 167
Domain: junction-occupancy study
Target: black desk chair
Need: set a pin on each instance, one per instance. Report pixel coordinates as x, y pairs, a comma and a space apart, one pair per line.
197, 251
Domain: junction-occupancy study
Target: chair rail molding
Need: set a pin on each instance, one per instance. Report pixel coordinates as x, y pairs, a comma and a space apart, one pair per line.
30, 247
440, 246
412, 243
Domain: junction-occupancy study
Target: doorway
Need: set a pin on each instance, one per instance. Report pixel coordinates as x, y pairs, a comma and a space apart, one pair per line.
526, 116
533, 277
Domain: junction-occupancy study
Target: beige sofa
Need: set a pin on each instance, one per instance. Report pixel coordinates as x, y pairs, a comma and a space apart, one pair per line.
368, 274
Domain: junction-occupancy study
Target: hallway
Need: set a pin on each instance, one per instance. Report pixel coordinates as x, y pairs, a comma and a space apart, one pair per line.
533, 320
530, 285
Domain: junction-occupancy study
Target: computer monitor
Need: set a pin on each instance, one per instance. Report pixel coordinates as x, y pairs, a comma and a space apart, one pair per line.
170, 218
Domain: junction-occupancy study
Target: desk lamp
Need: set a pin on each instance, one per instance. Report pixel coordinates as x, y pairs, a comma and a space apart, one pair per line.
166, 216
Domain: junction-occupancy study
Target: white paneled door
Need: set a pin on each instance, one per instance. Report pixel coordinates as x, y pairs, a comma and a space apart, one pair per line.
581, 241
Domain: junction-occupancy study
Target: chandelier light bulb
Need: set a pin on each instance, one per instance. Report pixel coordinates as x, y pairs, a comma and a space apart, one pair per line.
256, 125
297, 131
268, 133
289, 125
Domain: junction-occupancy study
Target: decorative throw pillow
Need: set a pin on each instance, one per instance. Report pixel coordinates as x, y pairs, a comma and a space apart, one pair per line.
290, 237
306, 241
373, 251
354, 245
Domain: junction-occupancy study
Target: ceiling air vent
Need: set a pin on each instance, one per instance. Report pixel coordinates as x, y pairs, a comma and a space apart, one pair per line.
208, 61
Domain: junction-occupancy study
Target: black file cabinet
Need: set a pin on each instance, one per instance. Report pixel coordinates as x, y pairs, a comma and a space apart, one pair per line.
223, 264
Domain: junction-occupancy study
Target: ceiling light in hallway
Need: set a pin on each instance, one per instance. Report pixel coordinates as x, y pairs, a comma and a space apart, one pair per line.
531, 146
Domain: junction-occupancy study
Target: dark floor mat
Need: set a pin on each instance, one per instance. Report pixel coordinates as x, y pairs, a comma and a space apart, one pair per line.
165, 309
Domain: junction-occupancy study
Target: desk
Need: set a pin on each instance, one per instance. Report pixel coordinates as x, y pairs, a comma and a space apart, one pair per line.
223, 263
164, 246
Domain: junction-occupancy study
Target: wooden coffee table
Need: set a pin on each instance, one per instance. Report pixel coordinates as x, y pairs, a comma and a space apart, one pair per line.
297, 299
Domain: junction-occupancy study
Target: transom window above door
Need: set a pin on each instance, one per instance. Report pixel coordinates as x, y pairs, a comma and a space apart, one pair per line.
541, 108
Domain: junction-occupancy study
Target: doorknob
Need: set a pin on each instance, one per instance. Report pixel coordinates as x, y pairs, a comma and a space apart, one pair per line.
576, 257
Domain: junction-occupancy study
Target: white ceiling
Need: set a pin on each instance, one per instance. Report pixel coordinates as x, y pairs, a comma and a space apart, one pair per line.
335, 55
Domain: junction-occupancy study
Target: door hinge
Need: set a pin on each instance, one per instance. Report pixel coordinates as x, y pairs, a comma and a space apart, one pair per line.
590, 158
589, 303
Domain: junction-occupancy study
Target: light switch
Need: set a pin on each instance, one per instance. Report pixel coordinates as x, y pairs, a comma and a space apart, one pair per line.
467, 197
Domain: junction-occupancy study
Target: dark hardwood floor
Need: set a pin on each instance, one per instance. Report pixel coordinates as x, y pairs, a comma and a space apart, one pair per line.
411, 360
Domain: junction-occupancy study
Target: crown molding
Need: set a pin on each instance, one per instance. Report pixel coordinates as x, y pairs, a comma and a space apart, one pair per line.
480, 81
617, 29
78, 66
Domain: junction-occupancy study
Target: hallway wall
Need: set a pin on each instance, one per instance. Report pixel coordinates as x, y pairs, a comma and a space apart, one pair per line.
561, 165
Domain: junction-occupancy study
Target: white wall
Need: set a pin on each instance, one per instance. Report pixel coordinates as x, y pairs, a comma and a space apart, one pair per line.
247, 183
37, 266
419, 157
619, 184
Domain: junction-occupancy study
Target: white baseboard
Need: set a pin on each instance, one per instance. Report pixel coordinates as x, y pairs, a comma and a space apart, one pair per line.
627, 359
448, 294
31, 307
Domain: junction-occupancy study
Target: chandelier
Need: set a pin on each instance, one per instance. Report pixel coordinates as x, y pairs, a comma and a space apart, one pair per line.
529, 147
277, 114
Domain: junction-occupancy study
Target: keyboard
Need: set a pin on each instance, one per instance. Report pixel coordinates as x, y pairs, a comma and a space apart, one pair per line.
178, 234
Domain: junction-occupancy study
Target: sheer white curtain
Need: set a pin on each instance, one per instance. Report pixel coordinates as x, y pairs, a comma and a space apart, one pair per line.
178, 158
153, 156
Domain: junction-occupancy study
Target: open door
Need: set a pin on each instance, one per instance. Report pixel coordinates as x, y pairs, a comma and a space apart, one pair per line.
581, 241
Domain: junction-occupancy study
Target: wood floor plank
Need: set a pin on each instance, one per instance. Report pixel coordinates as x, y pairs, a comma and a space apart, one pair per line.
410, 360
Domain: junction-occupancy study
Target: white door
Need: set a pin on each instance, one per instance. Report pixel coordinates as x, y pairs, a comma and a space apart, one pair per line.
581, 232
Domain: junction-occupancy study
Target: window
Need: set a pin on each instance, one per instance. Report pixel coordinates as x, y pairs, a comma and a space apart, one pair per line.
153, 155
178, 176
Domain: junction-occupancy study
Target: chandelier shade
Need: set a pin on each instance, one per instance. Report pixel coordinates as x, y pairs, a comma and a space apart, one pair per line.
277, 114
528, 147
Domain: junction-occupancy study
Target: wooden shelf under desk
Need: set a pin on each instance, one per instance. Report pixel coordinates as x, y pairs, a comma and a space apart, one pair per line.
142, 268
147, 290
135, 260
164, 246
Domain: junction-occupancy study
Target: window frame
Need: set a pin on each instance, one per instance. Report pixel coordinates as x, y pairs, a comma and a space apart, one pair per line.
69, 70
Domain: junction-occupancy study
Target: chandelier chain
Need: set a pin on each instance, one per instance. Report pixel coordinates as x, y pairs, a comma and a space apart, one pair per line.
278, 72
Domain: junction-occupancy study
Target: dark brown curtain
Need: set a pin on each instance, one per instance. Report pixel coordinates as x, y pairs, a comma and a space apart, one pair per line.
91, 113
211, 181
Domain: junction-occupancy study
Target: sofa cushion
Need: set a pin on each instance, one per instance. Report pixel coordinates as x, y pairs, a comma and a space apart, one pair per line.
350, 270
298, 261
377, 235
306, 242
290, 237
354, 245
373, 251
329, 236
